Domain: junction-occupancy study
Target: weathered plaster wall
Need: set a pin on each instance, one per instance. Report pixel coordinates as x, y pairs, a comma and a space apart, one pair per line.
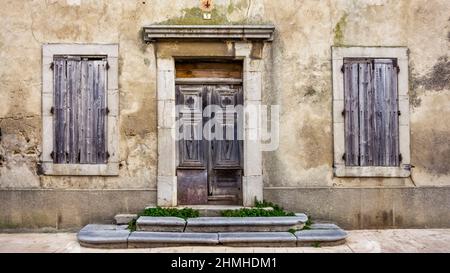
298, 78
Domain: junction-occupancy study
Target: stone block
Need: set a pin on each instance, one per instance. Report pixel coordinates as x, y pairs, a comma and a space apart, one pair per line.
124, 219
103, 236
244, 224
141, 239
320, 236
258, 239
160, 224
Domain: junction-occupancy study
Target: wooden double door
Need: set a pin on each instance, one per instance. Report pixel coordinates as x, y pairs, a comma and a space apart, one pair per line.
209, 144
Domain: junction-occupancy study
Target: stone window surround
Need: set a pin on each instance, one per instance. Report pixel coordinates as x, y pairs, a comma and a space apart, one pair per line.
338, 55
111, 168
252, 182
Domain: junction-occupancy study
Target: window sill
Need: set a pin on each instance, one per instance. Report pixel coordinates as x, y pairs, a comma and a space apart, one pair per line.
346, 171
109, 169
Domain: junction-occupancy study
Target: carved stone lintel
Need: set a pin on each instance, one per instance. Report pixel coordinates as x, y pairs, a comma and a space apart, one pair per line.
210, 32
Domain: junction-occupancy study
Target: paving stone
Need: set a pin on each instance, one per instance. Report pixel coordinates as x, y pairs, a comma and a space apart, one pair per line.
103, 236
323, 237
160, 224
124, 219
142, 239
244, 224
258, 239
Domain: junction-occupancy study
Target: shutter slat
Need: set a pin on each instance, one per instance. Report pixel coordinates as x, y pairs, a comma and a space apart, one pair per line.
83, 114
59, 95
351, 114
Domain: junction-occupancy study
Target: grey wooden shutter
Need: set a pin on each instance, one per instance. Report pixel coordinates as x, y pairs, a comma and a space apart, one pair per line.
80, 110
386, 110
371, 113
351, 120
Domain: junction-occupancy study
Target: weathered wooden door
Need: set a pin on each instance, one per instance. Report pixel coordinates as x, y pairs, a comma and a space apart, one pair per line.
210, 147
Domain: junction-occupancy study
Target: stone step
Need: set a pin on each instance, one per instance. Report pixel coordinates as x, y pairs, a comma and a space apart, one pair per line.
160, 224
321, 237
245, 224
141, 239
112, 236
103, 236
124, 219
258, 239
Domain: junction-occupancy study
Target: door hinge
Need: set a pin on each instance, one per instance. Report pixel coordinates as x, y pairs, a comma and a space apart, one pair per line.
52, 110
52, 65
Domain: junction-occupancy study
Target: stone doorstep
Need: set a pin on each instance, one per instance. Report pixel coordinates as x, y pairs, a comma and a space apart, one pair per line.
141, 239
160, 224
124, 219
245, 224
258, 239
323, 237
110, 236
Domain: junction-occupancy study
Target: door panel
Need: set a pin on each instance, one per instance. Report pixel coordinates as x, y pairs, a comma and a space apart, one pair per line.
209, 170
191, 146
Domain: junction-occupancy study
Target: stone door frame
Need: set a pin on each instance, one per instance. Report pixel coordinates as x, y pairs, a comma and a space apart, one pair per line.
166, 53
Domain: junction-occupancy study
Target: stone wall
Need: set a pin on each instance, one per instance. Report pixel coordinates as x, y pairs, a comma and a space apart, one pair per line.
298, 78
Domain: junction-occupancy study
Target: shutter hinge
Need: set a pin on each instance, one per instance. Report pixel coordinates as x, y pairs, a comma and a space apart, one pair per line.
395, 64
107, 155
400, 158
52, 110
52, 155
107, 111
344, 156
107, 65
399, 113
342, 68
343, 113
52, 64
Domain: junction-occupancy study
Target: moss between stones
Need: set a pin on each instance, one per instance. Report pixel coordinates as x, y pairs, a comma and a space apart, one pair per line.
184, 213
258, 211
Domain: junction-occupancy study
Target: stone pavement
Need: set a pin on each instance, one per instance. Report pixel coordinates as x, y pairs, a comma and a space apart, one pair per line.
400, 240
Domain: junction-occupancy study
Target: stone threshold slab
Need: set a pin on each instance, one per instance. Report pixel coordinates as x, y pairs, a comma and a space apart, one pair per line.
245, 224
140, 239
257, 239
160, 224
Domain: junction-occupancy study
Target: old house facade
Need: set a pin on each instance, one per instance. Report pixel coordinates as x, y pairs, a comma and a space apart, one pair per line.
357, 93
